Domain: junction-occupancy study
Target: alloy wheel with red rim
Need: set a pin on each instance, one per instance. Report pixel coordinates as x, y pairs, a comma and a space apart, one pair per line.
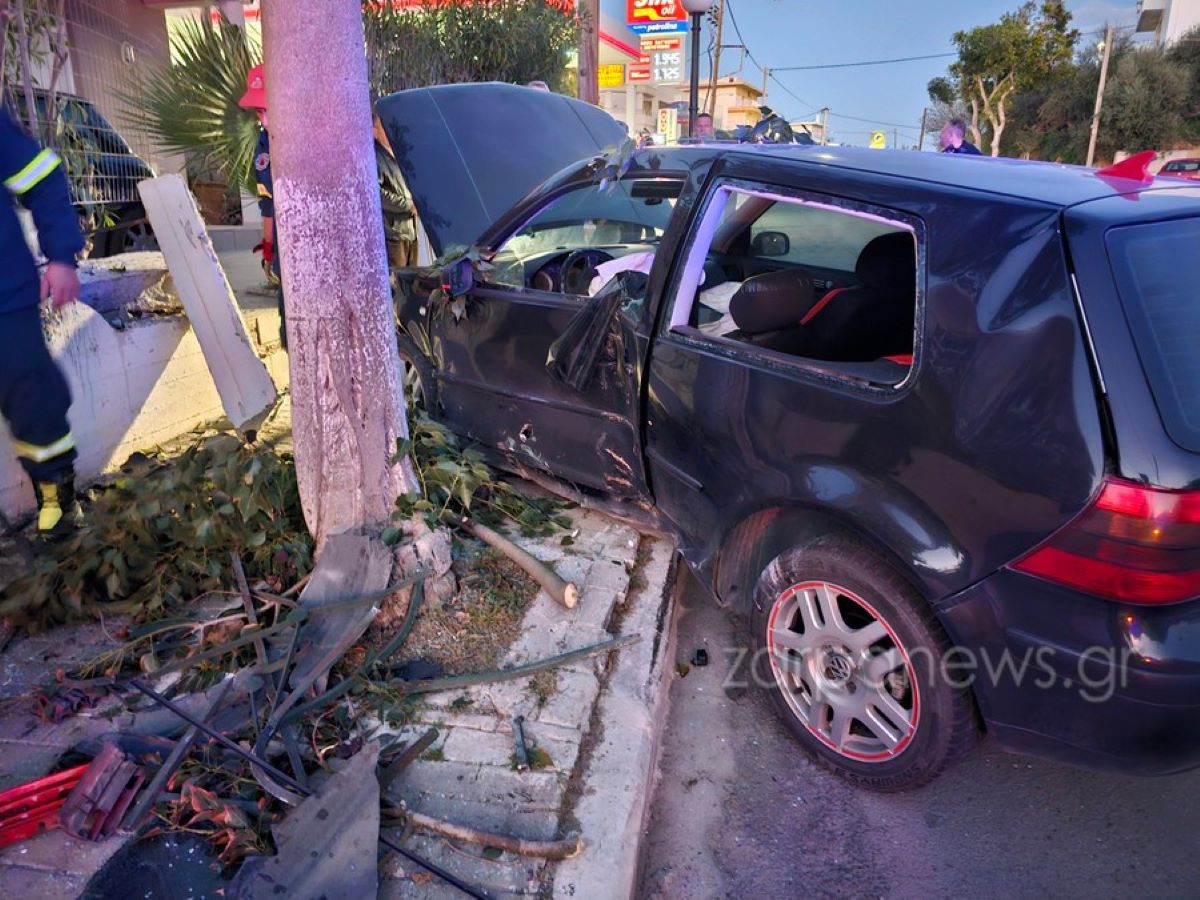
843, 671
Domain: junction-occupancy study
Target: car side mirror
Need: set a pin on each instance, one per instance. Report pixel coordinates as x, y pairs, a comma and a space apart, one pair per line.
458, 278
771, 243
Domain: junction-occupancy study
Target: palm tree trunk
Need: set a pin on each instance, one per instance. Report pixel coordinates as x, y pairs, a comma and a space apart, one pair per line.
347, 402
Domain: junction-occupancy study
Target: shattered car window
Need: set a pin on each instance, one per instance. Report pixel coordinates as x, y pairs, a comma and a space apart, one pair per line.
627, 217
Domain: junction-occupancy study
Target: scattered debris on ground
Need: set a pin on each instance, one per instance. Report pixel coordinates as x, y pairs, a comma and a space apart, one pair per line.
159, 535
264, 689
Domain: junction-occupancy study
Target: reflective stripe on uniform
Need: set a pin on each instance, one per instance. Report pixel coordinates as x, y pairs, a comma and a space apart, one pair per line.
34, 453
263, 192
39, 167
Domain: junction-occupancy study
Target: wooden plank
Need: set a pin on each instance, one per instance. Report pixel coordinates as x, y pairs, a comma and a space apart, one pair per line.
245, 387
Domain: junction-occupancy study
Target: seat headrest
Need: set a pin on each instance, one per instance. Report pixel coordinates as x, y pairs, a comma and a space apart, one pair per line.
888, 261
771, 301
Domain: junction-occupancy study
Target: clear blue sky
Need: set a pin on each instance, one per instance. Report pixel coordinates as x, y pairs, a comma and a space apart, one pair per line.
783, 33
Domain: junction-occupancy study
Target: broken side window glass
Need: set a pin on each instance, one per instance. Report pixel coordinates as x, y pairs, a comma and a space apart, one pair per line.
803, 278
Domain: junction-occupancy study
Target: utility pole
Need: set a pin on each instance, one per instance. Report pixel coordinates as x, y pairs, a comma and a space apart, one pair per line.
824, 125
589, 52
924, 123
766, 80
710, 102
347, 401
1108, 39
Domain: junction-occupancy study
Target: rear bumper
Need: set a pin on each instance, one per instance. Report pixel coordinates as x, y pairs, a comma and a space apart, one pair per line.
1070, 677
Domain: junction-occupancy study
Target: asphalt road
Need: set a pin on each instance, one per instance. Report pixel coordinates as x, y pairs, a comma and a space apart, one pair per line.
740, 812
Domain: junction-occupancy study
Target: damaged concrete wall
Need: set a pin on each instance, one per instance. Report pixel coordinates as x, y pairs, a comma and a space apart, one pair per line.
141, 383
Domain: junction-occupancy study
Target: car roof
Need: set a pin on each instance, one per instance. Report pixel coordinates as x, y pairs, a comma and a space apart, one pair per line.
1053, 184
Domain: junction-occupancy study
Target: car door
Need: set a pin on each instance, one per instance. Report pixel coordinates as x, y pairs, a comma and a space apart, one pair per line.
492, 350
734, 426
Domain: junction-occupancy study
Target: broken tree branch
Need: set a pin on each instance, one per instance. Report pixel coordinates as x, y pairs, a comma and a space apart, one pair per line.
555, 850
282, 776
260, 649
297, 587
343, 686
406, 758
563, 592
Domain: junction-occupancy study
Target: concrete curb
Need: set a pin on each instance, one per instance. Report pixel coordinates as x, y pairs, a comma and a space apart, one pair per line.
618, 775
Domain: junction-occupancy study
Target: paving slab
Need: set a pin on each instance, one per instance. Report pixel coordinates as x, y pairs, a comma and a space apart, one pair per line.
617, 774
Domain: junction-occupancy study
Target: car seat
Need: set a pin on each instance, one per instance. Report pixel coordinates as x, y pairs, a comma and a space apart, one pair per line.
871, 320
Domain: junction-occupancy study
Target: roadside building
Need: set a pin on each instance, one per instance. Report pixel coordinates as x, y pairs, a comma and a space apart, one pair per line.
1168, 20
735, 104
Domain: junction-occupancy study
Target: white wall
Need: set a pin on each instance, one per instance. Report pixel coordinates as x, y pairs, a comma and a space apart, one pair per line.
1181, 17
131, 389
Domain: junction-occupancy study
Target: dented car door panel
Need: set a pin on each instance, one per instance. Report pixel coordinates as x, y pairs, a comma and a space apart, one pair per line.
734, 433
495, 389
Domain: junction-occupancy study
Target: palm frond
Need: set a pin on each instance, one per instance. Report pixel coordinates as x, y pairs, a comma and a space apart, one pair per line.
191, 106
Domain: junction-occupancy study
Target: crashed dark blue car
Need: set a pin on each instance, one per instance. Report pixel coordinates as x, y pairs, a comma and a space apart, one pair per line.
931, 423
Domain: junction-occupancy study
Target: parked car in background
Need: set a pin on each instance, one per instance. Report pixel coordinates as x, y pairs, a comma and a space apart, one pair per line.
1182, 168
103, 173
930, 422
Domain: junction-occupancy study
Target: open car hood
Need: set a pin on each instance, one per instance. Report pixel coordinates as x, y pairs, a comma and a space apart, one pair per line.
471, 152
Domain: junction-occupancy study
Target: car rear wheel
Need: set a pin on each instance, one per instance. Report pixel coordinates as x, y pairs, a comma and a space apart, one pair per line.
852, 657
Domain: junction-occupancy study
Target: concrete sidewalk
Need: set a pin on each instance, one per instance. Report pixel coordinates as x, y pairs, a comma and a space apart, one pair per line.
598, 729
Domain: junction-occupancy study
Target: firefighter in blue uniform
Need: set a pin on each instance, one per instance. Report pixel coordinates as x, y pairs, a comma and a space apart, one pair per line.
34, 396
255, 99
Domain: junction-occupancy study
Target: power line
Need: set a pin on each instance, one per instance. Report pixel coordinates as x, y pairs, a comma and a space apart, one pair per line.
811, 107
738, 32
871, 121
794, 96
869, 62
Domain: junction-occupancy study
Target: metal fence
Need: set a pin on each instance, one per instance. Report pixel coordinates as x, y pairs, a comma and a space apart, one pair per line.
112, 42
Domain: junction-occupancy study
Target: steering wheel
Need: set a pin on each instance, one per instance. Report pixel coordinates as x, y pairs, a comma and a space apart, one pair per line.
578, 269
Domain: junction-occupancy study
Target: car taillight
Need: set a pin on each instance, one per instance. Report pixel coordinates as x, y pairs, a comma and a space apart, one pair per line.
1134, 544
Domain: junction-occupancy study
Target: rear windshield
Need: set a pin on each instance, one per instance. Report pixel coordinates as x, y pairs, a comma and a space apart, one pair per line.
1157, 267
1186, 166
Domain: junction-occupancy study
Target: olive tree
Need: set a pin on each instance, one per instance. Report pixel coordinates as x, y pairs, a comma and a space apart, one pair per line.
1023, 50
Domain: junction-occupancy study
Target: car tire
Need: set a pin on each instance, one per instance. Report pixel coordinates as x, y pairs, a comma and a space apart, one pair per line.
131, 233
417, 378
853, 659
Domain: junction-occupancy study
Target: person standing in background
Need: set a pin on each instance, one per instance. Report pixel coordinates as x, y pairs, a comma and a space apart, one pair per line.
399, 223
255, 98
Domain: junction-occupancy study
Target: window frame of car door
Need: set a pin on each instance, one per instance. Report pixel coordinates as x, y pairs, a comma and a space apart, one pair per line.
809, 370
522, 216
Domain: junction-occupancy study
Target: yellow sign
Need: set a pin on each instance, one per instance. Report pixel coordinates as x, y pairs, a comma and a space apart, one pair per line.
611, 76
878, 140
668, 124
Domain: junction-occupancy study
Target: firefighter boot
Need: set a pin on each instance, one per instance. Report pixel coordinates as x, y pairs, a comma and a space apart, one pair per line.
58, 509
